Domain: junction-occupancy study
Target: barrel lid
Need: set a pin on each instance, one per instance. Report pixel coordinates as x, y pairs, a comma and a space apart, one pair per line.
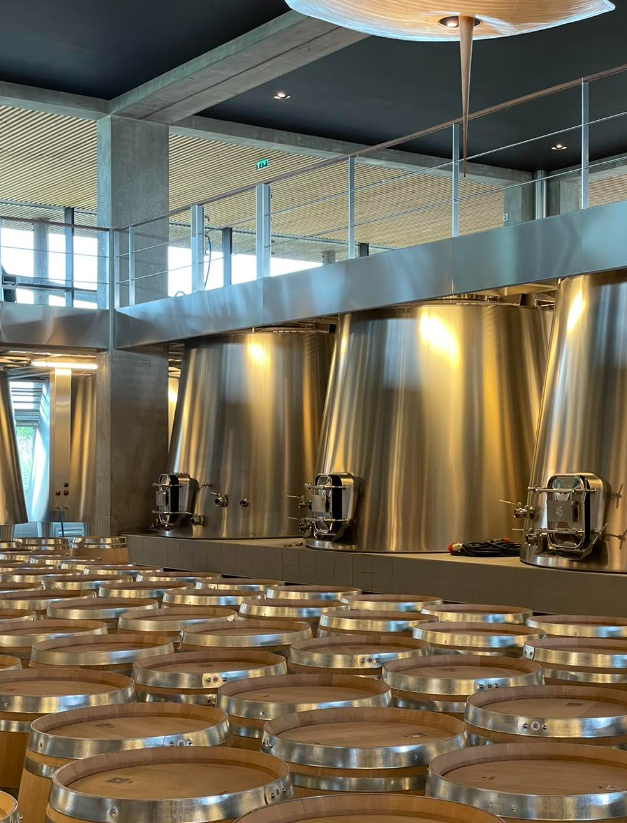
99, 608
267, 697
362, 738
477, 612
535, 781
20, 555
192, 783
355, 650
243, 633
8, 662
138, 589
38, 599
191, 596
251, 584
49, 559
374, 808
594, 652
551, 711
71, 582
580, 625
185, 576
21, 587
309, 591
20, 633
173, 619
389, 602
477, 635
277, 607
369, 620
62, 542
41, 691
98, 729
30, 574
100, 650
206, 669
459, 674
8, 808
99, 540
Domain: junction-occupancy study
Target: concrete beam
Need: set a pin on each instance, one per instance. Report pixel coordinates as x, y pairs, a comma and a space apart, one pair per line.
327, 148
55, 102
269, 51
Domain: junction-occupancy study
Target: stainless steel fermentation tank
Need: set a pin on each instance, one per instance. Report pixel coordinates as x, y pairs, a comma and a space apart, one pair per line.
430, 421
12, 502
245, 434
576, 511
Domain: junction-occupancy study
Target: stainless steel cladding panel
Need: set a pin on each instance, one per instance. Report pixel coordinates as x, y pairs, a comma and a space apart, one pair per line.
247, 422
433, 409
12, 502
582, 433
83, 449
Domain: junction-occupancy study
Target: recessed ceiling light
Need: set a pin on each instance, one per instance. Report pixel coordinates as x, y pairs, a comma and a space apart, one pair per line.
559, 147
453, 22
281, 95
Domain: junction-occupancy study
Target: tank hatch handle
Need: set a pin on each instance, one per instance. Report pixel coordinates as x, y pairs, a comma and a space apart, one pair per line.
575, 508
333, 501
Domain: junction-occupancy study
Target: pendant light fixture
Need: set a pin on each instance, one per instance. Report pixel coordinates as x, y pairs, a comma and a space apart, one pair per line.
460, 20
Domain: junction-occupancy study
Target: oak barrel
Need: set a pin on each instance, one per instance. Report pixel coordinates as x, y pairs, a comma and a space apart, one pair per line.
596, 661
249, 584
389, 602
192, 596
310, 591
476, 638
9, 663
132, 588
560, 714
476, 613
17, 637
270, 635
58, 739
192, 784
105, 609
535, 781
17, 614
369, 808
442, 683
362, 654
78, 581
8, 809
28, 694
361, 749
251, 703
364, 621
171, 622
195, 677
37, 600
109, 549
115, 653
308, 611
579, 625
176, 576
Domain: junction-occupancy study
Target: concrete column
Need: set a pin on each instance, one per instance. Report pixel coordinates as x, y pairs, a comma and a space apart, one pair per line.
40, 260
563, 195
132, 386
518, 204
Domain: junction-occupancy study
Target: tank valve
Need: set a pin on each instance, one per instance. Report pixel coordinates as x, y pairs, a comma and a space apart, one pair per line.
197, 520
244, 503
221, 500
524, 511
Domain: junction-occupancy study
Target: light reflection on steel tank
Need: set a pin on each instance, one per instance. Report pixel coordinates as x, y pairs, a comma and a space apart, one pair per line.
431, 417
582, 433
246, 432
12, 502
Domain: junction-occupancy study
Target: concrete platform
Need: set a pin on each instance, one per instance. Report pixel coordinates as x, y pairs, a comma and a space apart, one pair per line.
506, 581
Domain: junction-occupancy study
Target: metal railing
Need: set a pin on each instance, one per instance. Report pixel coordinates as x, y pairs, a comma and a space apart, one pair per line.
380, 198
59, 262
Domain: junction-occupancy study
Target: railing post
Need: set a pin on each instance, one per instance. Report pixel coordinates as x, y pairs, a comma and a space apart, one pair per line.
585, 144
68, 217
198, 247
455, 182
227, 256
263, 230
131, 265
351, 208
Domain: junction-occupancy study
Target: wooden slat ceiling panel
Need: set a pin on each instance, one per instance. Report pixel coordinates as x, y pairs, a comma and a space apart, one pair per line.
51, 159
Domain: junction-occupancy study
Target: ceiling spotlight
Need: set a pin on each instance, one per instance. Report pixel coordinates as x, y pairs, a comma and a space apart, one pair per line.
281, 95
453, 22
559, 147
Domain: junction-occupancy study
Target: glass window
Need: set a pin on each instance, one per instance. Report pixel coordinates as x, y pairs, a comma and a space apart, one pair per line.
25, 446
16, 252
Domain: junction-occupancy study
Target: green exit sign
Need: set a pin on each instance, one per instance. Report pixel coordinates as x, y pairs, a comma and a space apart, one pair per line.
262, 164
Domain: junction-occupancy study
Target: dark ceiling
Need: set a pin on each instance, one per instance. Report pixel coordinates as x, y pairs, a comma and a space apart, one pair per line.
373, 91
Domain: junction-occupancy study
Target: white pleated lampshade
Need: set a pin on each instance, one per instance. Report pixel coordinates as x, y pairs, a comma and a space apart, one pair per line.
420, 19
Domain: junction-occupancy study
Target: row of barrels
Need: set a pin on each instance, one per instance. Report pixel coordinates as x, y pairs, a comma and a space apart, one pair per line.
107, 549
